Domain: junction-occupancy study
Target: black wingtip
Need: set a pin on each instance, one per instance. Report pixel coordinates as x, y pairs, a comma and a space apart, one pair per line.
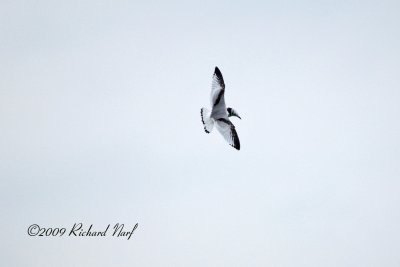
236, 142
236, 146
218, 73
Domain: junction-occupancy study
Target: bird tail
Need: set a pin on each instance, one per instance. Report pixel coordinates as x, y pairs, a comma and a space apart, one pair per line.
208, 123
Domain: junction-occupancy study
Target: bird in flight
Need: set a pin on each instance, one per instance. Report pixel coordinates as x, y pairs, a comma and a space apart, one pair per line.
219, 114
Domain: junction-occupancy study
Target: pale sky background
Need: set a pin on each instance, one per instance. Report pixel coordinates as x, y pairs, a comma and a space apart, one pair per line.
100, 123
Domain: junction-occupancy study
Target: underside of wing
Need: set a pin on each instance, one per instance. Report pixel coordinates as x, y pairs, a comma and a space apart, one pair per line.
217, 88
228, 131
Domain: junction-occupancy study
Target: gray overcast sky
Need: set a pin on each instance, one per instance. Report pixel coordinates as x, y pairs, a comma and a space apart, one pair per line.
100, 123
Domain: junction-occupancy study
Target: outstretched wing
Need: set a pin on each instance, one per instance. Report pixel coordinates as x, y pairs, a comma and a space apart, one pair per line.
228, 131
217, 93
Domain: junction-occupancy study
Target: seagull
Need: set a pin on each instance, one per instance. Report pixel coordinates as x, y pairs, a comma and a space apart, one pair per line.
219, 114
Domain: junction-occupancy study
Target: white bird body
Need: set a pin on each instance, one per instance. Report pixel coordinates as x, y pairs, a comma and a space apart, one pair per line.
219, 114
